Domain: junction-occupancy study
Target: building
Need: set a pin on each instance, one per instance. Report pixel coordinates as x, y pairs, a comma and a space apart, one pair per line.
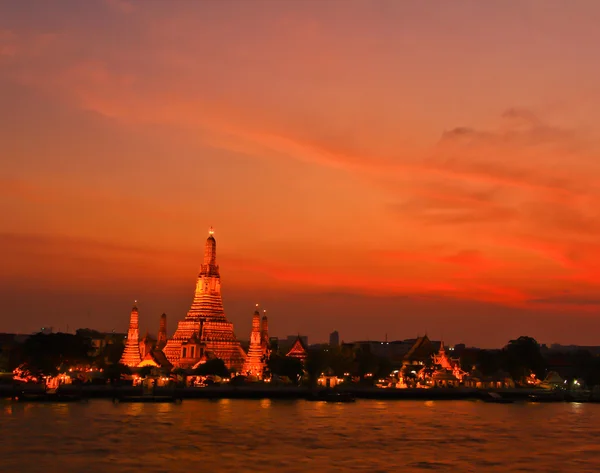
298, 350
421, 352
447, 371
264, 335
205, 322
147, 344
255, 359
131, 355
334, 339
285, 344
100, 341
162, 332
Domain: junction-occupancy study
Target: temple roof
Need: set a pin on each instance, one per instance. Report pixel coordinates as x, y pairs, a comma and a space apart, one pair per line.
421, 350
157, 358
298, 348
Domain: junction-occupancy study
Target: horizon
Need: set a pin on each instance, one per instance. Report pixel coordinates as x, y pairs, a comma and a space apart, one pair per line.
382, 168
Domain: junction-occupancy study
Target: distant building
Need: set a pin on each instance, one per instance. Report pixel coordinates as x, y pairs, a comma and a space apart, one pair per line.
291, 339
131, 355
298, 349
100, 340
274, 344
161, 341
257, 351
147, 344
334, 339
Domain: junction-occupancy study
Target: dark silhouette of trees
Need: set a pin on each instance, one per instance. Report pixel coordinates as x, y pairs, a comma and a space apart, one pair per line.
489, 362
113, 373
284, 366
49, 353
215, 367
522, 357
145, 371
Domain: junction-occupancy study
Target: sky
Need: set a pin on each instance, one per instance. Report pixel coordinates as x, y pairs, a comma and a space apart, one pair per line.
380, 168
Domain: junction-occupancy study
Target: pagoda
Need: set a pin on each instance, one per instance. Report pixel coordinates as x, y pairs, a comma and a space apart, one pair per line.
255, 364
162, 332
264, 335
205, 322
447, 365
131, 355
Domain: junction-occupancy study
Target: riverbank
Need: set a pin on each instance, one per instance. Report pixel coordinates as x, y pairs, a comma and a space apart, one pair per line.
261, 391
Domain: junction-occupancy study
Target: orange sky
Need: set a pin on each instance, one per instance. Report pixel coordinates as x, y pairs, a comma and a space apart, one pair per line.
371, 167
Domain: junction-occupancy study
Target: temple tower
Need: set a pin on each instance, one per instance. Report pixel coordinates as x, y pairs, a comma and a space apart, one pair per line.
131, 355
264, 334
162, 332
254, 364
206, 320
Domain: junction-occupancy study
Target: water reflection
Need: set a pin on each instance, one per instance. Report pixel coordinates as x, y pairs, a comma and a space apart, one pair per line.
296, 436
265, 403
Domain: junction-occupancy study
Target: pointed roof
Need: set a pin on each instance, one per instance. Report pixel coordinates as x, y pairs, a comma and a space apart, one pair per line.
298, 349
155, 358
421, 350
553, 378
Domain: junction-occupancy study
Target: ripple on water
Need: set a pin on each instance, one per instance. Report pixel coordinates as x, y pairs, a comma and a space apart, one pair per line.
299, 436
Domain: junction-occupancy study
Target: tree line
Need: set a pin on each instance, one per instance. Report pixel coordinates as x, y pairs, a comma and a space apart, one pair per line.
49, 354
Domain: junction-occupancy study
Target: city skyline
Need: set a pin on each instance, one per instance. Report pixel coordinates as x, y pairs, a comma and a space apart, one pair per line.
385, 168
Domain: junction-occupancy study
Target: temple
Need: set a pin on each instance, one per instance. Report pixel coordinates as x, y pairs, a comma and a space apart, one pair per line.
298, 350
255, 359
264, 335
147, 344
447, 370
162, 332
131, 355
205, 332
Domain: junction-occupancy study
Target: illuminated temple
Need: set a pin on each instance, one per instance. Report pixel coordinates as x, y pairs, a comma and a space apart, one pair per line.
131, 355
258, 350
205, 332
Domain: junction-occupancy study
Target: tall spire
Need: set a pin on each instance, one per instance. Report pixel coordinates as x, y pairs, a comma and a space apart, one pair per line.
131, 355
206, 322
210, 249
162, 332
254, 364
264, 333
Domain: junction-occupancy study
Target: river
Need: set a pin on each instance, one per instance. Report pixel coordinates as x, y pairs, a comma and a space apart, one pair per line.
298, 436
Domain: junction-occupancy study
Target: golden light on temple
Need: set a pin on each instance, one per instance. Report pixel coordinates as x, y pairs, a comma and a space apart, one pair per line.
211, 231
205, 330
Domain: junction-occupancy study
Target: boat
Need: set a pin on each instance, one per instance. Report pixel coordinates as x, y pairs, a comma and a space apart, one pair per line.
496, 398
551, 396
48, 397
331, 396
147, 399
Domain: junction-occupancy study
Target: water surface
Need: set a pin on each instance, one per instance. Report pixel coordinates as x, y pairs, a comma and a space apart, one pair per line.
298, 436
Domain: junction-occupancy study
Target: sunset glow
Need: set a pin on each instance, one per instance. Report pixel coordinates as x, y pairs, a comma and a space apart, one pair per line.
425, 166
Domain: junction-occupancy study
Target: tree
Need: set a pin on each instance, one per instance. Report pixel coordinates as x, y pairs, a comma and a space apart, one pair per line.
289, 367
489, 362
316, 362
48, 353
215, 366
113, 373
524, 356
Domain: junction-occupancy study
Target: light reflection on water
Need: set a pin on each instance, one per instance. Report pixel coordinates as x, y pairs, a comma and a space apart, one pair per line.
288, 436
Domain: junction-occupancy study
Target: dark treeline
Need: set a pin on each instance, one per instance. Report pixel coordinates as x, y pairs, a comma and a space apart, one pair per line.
50, 354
